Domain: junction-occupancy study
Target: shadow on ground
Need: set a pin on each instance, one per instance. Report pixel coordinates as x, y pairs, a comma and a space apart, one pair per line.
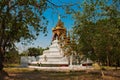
48, 75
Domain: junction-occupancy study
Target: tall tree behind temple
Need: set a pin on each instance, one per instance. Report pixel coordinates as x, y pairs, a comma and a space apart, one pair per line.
35, 51
98, 30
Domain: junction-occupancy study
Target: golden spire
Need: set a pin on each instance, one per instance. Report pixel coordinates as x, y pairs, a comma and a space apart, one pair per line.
58, 17
60, 24
59, 30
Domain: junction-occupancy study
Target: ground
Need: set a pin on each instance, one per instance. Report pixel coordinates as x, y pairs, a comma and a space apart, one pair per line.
34, 74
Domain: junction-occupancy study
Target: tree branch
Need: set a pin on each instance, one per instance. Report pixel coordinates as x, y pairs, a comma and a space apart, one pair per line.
53, 3
62, 5
13, 6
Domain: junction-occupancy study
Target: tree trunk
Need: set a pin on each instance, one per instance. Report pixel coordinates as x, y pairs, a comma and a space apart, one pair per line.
1, 58
107, 60
3, 74
117, 63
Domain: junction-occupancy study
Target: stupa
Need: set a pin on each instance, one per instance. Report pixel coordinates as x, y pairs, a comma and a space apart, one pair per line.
54, 56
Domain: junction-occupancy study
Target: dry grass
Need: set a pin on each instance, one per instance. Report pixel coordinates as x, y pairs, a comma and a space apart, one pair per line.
32, 74
17, 70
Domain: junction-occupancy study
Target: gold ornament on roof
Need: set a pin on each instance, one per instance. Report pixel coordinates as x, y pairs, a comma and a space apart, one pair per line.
59, 30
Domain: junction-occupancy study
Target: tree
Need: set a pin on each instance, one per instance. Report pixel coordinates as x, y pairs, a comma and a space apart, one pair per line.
35, 51
24, 53
97, 30
20, 20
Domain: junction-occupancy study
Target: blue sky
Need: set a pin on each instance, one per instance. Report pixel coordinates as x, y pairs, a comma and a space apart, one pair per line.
52, 17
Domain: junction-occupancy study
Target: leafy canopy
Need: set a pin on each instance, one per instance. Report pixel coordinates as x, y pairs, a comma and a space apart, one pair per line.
97, 29
21, 20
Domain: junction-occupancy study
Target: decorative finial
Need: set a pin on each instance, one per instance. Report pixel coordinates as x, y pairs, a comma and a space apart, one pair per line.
58, 17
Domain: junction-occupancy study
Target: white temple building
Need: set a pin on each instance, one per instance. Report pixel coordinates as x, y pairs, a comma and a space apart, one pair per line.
55, 55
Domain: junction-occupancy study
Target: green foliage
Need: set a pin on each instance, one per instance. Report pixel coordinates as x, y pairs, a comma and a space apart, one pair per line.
35, 51
97, 30
24, 53
12, 56
20, 20
32, 51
